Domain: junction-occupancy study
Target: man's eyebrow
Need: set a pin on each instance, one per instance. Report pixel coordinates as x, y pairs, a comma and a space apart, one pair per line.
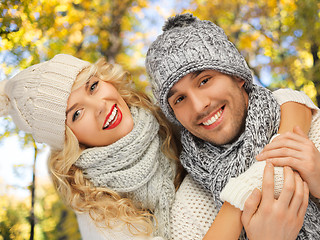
196, 74
171, 92
193, 75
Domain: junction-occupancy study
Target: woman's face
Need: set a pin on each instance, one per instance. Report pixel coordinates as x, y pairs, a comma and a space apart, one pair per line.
97, 114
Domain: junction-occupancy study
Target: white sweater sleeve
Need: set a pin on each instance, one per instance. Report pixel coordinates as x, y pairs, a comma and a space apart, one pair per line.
288, 95
89, 231
239, 189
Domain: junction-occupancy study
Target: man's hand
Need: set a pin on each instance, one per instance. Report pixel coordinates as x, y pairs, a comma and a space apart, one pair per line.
280, 218
295, 150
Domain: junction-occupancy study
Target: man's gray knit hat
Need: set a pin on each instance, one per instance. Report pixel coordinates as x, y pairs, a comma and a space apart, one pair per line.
186, 45
36, 98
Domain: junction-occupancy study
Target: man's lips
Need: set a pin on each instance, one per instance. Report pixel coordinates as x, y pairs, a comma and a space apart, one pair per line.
213, 120
113, 119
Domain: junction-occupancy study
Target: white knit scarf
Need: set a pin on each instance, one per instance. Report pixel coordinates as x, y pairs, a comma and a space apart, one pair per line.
135, 167
213, 166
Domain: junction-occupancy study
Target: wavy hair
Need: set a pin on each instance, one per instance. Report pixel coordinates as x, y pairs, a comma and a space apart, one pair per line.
103, 204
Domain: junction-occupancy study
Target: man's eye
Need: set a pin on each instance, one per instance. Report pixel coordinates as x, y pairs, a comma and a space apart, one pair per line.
94, 86
179, 99
76, 115
204, 81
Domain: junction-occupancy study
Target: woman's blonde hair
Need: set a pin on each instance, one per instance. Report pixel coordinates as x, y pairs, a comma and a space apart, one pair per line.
105, 205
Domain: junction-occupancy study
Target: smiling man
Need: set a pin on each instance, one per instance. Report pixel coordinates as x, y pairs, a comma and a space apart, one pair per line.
203, 83
211, 105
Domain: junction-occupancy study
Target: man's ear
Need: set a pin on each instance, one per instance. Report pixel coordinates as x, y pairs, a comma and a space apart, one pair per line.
239, 81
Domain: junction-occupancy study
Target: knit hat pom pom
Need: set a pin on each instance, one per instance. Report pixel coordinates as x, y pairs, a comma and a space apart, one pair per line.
4, 100
179, 20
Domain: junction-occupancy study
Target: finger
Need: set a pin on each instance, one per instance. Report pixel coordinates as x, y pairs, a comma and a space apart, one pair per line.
298, 195
250, 206
290, 136
268, 184
288, 187
287, 161
304, 205
282, 151
283, 146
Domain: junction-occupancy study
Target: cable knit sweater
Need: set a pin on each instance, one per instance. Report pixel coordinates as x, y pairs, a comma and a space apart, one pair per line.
193, 210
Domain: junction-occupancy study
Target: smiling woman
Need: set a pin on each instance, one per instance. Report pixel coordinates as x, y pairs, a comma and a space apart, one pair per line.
97, 114
106, 140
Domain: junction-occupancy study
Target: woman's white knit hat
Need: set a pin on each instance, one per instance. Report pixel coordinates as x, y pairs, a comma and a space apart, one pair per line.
36, 98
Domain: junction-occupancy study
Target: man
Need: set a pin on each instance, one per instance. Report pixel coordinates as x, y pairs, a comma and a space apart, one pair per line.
203, 83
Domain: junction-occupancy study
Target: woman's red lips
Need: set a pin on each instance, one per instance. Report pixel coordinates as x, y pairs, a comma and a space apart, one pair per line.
113, 119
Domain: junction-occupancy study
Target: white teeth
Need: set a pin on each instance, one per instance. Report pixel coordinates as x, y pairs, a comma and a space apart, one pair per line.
111, 118
213, 119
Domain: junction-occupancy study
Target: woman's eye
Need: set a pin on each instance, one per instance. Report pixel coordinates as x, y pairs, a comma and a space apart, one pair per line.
94, 86
76, 115
204, 81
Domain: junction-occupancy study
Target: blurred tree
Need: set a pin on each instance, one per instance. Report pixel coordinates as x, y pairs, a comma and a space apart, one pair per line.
34, 30
54, 220
277, 36
13, 219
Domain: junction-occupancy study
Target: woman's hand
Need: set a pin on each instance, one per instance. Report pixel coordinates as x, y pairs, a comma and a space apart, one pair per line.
295, 150
280, 218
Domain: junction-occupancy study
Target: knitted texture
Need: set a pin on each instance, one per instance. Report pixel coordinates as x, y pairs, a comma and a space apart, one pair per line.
192, 212
188, 45
36, 98
135, 167
193, 209
91, 230
239, 189
225, 163
212, 166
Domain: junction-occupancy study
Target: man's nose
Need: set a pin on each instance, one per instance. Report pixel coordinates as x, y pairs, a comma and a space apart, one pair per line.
199, 102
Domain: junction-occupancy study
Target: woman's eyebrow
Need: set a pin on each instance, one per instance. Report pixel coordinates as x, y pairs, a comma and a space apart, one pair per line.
70, 109
87, 84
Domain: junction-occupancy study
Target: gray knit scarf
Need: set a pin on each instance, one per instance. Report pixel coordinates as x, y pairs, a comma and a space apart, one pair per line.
212, 166
135, 167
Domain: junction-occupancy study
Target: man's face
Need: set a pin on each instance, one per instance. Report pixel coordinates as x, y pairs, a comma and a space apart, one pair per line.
210, 105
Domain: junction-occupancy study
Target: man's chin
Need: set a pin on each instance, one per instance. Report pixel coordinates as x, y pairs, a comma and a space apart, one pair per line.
223, 140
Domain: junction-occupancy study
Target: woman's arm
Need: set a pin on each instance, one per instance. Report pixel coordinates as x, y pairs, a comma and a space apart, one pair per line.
265, 217
294, 148
227, 224
296, 109
294, 114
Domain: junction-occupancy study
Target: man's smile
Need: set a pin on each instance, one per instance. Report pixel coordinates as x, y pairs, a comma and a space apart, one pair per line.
214, 119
